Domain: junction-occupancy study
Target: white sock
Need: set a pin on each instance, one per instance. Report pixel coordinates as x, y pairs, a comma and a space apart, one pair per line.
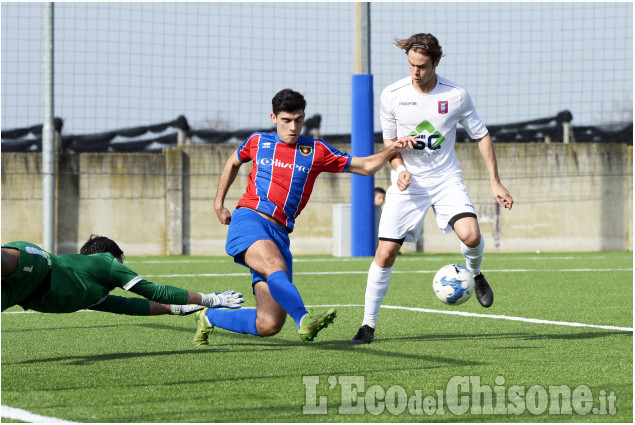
376, 288
473, 256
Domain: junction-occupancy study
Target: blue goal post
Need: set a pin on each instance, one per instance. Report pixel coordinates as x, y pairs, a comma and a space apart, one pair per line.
362, 187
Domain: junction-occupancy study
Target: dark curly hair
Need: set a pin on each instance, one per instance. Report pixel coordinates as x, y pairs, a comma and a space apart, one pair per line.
97, 244
287, 100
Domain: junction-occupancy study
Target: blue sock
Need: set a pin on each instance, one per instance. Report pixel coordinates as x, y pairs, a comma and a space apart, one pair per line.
286, 294
242, 321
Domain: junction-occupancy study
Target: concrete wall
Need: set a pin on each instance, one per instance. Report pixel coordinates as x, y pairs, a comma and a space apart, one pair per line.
575, 197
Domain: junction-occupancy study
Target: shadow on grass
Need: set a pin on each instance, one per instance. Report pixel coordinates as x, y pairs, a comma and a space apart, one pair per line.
295, 374
59, 328
511, 335
83, 360
343, 344
248, 343
132, 322
581, 335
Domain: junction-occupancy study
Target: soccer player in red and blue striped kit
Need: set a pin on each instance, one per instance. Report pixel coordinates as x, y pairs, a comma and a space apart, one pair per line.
284, 168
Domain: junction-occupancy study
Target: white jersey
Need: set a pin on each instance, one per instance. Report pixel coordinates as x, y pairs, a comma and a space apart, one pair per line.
433, 117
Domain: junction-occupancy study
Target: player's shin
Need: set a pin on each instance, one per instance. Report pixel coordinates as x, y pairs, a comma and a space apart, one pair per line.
376, 288
241, 321
473, 256
285, 293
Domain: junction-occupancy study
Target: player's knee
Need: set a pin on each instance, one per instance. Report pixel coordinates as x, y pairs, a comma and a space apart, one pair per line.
386, 255
269, 265
472, 239
274, 266
269, 326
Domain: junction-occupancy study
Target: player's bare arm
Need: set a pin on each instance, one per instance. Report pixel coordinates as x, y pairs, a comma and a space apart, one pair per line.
368, 165
10, 261
230, 171
486, 148
403, 176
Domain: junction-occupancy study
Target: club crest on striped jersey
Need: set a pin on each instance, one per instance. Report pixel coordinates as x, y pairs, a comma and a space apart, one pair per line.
443, 106
305, 150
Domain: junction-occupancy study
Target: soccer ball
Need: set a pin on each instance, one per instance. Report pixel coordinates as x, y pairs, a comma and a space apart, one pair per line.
453, 284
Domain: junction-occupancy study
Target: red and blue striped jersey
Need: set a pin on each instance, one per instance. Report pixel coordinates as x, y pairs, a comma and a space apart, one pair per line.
282, 176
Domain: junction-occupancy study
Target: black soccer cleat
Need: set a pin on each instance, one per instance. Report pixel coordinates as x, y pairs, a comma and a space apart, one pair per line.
365, 335
484, 293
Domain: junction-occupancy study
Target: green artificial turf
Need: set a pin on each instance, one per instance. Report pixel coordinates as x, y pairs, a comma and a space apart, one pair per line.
427, 363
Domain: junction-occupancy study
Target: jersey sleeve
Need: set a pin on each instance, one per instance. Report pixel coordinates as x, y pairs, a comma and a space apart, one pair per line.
469, 119
129, 280
248, 147
387, 116
121, 276
331, 159
165, 294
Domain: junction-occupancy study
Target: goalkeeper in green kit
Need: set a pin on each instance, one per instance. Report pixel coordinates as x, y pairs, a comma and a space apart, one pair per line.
37, 280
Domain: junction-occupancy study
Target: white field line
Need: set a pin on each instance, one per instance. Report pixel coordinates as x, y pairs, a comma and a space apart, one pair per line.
349, 259
24, 416
489, 316
431, 311
394, 272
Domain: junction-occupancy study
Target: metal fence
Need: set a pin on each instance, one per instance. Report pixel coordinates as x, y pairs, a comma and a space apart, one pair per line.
120, 65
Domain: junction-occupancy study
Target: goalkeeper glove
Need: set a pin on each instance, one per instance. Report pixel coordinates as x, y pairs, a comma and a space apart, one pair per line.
228, 299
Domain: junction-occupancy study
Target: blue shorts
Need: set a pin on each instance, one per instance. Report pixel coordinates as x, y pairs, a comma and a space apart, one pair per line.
247, 227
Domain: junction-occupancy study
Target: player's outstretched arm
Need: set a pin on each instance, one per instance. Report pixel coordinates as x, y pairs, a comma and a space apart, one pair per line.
396, 162
230, 171
368, 165
501, 194
227, 299
172, 295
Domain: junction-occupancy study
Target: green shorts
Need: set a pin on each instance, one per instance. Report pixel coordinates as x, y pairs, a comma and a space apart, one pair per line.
33, 267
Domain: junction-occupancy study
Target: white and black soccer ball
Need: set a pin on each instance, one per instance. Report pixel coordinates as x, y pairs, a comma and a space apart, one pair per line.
453, 284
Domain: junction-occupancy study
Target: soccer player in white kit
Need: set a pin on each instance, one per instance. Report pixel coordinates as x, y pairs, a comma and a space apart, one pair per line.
428, 107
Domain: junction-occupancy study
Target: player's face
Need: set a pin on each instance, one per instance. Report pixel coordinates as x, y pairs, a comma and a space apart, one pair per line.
422, 70
289, 125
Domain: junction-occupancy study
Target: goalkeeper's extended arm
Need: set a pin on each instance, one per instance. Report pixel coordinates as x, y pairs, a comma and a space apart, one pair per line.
181, 301
228, 299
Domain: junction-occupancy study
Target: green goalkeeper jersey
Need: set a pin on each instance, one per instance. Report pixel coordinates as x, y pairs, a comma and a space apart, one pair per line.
76, 281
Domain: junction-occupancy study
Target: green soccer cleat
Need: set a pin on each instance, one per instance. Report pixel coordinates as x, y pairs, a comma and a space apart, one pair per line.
310, 326
203, 328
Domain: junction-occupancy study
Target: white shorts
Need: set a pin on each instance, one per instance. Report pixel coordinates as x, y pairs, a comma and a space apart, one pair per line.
402, 215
